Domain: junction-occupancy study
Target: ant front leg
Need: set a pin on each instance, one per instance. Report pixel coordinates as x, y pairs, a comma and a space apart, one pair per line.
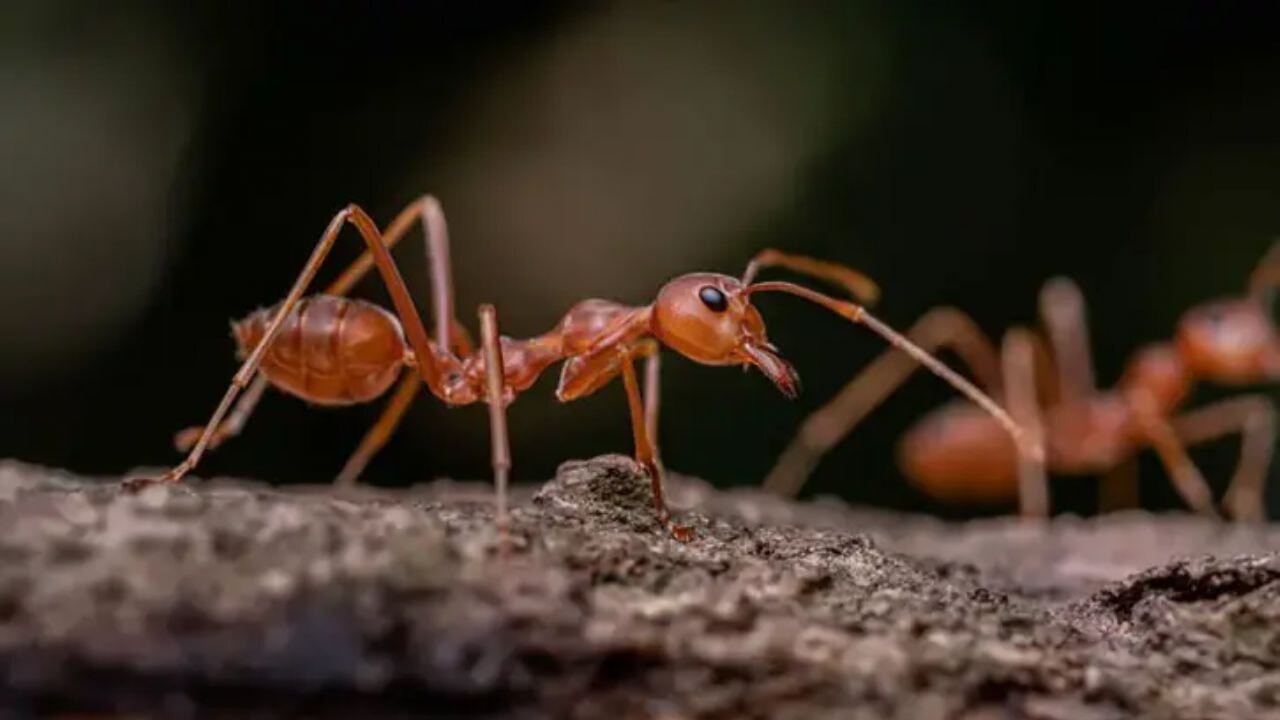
1254, 417
646, 451
652, 395
1183, 473
614, 355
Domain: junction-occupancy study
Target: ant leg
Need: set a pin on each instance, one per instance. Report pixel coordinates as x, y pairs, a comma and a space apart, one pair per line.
652, 395
381, 431
1183, 473
495, 386
230, 427
646, 453
942, 327
858, 285
1254, 417
1062, 310
427, 208
1018, 360
429, 360
449, 331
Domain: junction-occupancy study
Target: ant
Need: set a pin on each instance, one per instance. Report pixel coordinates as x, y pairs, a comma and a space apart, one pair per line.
331, 350
958, 456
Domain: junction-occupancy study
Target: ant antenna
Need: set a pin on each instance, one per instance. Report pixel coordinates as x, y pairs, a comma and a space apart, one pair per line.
858, 314
860, 286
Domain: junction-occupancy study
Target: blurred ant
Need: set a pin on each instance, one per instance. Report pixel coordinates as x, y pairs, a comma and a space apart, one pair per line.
330, 350
958, 456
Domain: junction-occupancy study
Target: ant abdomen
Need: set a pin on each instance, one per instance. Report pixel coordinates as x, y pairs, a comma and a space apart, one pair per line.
960, 455
329, 351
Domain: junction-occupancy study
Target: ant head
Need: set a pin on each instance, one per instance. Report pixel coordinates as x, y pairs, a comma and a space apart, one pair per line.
1231, 342
709, 319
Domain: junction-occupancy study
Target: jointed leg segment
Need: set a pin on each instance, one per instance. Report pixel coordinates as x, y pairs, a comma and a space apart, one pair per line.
646, 453
450, 333
378, 435
652, 396
186, 439
1183, 473
427, 360
1018, 360
495, 391
1254, 417
1062, 310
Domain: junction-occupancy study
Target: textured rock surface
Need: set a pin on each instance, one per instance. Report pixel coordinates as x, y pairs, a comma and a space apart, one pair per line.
231, 600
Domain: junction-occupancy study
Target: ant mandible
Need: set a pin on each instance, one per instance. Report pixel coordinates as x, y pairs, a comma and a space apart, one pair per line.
331, 350
958, 456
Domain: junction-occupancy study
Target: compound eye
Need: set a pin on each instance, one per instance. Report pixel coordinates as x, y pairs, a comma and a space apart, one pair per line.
713, 298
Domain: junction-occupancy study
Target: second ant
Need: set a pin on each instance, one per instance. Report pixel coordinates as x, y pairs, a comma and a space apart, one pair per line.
1048, 386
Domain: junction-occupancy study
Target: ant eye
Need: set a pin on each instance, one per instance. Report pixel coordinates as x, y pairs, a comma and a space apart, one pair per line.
713, 298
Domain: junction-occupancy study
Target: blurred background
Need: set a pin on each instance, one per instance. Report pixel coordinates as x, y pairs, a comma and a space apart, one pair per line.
167, 167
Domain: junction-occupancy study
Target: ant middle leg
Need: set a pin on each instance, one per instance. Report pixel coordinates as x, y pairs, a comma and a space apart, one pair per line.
646, 450
496, 396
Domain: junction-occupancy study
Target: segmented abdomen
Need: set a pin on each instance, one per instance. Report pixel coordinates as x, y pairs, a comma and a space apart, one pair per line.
330, 350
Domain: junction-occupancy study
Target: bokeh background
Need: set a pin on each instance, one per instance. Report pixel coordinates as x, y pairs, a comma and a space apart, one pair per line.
166, 167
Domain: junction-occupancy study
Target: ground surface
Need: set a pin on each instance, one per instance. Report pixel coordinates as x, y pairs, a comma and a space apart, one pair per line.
233, 600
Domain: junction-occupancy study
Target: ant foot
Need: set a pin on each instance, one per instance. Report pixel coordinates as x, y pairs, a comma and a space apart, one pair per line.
1243, 507
682, 533
138, 484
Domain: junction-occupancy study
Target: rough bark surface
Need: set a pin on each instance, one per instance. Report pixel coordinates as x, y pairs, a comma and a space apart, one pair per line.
224, 599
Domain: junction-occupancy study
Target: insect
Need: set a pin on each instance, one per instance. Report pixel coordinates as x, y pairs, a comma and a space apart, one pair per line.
959, 456
332, 350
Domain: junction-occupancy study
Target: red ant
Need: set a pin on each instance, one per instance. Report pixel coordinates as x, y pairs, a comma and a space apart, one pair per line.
958, 456
331, 350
